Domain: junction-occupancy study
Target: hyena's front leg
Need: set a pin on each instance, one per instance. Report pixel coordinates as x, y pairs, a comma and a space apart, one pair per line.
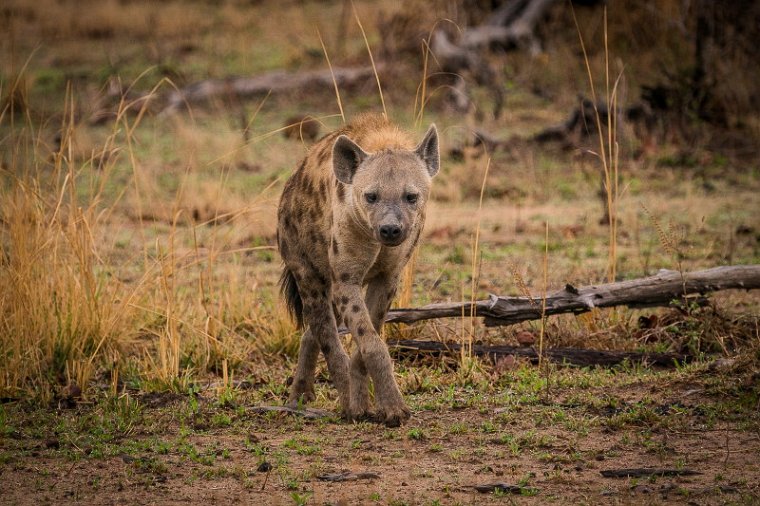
360, 406
374, 354
380, 293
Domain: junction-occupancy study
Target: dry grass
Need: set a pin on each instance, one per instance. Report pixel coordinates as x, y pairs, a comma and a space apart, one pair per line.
105, 272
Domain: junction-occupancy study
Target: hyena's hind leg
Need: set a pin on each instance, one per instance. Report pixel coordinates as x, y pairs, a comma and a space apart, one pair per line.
318, 315
302, 389
380, 293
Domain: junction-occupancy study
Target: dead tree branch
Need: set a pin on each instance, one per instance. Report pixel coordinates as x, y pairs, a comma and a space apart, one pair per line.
653, 291
272, 82
570, 356
512, 25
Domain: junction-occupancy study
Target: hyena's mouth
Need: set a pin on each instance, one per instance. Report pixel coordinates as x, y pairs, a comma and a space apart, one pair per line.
391, 244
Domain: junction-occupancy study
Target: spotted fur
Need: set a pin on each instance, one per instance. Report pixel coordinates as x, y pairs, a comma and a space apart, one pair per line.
348, 221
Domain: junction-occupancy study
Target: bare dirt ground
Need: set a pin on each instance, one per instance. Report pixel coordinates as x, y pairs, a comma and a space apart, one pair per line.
551, 444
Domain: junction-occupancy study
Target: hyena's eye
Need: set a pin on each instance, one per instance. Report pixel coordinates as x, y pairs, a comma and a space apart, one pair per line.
412, 198
370, 197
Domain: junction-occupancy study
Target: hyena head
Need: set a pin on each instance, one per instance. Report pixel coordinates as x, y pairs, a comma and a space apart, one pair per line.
389, 189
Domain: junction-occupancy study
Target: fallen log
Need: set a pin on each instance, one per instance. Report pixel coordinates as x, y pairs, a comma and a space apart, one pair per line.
273, 82
348, 476
653, 291
510, 26
569, 356
505, 488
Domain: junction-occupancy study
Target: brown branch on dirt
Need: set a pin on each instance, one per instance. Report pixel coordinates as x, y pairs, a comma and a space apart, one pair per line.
637, 472
310, 413
569, 356
348, 476
512, 25
505, 488
271, 83
653, 291
580, 123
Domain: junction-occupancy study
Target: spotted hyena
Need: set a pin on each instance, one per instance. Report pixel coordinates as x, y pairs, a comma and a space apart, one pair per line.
349, 219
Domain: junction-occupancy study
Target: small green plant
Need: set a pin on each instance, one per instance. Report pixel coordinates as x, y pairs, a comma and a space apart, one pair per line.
416, 434
458, 428
300, 499
221, 420
302, 446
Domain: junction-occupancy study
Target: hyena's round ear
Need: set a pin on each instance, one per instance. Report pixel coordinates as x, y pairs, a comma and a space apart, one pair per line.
428, 151
347, 156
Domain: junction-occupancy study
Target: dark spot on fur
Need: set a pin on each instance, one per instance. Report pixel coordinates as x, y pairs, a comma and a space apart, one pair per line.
325, 348
345, 277
335, 247
344, 300
360, 331
355, 308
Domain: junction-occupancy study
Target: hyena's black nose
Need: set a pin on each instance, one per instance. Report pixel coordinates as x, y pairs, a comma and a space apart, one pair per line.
390, 232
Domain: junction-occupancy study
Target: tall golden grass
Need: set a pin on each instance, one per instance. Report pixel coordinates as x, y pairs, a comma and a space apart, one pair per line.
76, 304
609, 150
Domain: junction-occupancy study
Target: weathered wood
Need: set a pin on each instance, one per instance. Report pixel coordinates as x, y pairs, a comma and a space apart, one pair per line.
653, 291
272, 82
509, 26
348, 476
505, 488
569, 356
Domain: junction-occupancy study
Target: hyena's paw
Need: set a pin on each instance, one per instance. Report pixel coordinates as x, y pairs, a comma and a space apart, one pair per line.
301, 396
393, 415
359, 409
360, 415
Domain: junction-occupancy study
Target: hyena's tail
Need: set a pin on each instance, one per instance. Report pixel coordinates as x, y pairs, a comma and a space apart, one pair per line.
289, 289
